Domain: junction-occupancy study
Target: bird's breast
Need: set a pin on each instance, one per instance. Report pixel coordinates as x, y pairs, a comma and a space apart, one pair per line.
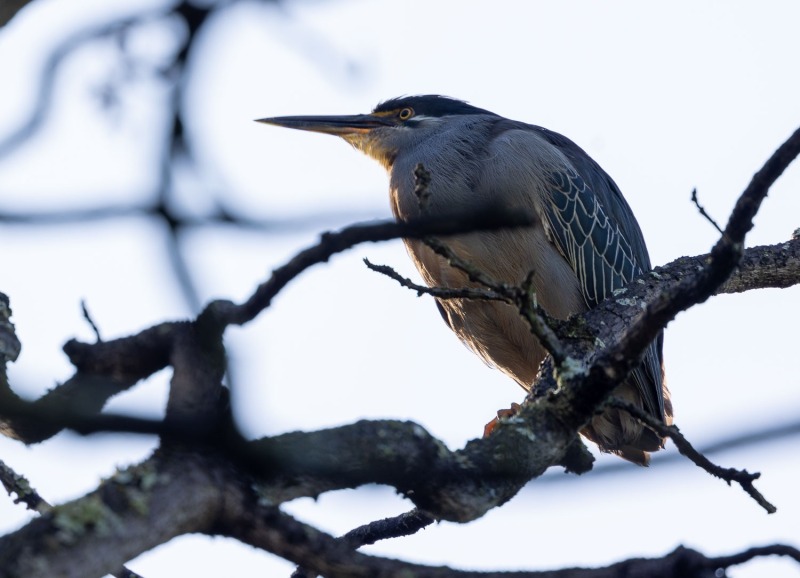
464, 178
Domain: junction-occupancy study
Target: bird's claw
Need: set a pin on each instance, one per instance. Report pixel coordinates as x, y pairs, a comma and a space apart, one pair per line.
501, 413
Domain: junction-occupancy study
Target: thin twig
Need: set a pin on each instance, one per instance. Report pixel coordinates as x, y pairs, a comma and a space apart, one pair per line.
703, 212
742, 477
524, 298
405, 524
473, 273
756, 552
742, 439
331, 243
438, 292
90, 321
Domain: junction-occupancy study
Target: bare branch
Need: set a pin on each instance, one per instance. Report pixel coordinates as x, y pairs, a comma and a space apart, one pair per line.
724, 257
15, 483
523, 298
18, 484
488, 218
105, 369
741, 439
774, 266
403, 525
751, 553
284, 536
9, 343
703, 212
741, 477
90, 321
177, 492
438, 292
170, 494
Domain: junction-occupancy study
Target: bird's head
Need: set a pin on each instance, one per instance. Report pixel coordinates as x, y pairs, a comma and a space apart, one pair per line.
392, 126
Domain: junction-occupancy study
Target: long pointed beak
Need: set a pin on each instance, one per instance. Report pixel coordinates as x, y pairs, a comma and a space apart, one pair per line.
338, 125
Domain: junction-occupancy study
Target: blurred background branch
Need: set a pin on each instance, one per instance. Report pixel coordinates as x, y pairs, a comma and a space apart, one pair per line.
10, 8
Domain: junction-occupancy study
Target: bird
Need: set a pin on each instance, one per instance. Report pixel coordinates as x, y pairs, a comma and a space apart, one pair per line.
584, 243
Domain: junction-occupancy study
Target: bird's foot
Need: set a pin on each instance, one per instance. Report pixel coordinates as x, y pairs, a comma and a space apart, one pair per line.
501, 413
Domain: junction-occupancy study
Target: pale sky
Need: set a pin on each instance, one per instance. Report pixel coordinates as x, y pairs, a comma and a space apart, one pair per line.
666, 99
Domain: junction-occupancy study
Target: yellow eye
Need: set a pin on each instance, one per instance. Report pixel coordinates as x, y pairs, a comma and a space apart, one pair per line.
405, 113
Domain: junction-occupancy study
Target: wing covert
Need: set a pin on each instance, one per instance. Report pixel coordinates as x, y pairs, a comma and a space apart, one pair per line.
595, 246
602, 257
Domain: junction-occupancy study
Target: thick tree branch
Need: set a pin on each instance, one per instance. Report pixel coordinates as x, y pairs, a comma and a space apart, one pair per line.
765, 267
18, 484
104, 370
127, 359
170, 494
285, 451
179, 491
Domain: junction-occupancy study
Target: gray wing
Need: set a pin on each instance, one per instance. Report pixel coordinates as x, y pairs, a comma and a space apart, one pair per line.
595, 246
593, 227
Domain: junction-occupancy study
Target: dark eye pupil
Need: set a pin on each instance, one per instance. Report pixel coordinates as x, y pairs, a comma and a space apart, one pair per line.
405, 113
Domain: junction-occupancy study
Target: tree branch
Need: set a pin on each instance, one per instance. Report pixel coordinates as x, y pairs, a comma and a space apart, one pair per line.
741, 477
19, 485
405, 524
765, 267
168, 495
523, 297
284, 536
488, 218
15, 483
